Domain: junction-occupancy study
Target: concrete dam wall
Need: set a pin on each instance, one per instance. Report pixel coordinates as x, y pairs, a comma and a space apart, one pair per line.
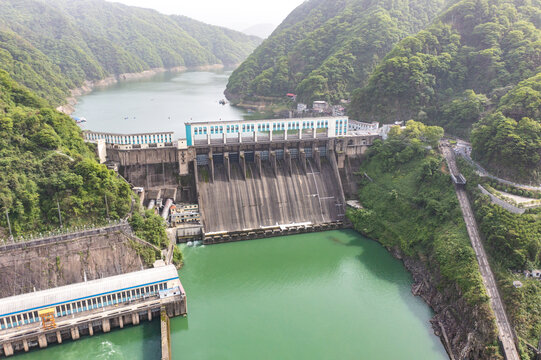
275, 193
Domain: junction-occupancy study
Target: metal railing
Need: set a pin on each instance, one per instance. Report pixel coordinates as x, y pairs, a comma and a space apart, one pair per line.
63, 234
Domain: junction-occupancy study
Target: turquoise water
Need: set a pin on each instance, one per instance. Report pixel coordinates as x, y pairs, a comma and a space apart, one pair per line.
162, 103
329, 295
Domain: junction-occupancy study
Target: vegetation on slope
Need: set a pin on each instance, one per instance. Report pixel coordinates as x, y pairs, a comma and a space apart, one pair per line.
324, 49
45, 165
409, 203
458, 71
508, 140
53, 46
513, 242
151, 227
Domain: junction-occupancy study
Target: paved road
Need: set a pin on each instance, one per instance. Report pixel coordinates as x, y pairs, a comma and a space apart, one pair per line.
484, 173
505, 331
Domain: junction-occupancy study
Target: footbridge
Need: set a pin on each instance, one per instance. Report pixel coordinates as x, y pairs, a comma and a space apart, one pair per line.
251, 176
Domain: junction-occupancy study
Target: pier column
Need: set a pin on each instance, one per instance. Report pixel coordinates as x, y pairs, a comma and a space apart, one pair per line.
224, 137
208, 138
25, 345
302, 157
227, 165
135, 319
121, 322
58, 337
272, 159
184, 306
8, 349
242, 162
105, 325
211, 166
257, 158
42, 341
90, 329
314, 132
316, 156
270, 135
341, 160
240, 137
74, 333
287, 157
300, 133
285, 132
149, 315
255, 135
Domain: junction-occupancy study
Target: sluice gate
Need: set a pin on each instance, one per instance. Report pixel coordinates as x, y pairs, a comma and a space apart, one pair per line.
277, 188
250, 175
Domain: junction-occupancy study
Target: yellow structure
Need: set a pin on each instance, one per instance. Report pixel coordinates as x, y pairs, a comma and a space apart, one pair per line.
47, 318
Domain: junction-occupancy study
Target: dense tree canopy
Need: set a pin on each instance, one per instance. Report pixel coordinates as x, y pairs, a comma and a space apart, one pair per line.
458, 70
45, 166
508, 140
54, 45
324, 49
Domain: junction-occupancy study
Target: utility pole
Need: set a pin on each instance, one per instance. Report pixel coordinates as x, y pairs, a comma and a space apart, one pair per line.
59, 214
9, 225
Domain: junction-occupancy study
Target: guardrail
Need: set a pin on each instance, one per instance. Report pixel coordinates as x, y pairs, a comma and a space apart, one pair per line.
504, 204
20, 243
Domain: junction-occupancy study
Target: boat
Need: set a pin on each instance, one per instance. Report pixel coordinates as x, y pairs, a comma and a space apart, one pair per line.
79, 120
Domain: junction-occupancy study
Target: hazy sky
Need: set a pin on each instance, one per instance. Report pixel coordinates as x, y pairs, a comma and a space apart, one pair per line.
235, 14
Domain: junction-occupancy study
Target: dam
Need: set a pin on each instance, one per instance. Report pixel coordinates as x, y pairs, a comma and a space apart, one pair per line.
250, 178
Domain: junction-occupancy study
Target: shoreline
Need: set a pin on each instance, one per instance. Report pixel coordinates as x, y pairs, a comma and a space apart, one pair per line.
90, 85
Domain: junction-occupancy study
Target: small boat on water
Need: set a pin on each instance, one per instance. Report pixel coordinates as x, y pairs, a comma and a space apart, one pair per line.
222, 102
79, 120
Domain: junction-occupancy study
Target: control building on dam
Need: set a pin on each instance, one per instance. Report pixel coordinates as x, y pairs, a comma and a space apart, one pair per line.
251, 177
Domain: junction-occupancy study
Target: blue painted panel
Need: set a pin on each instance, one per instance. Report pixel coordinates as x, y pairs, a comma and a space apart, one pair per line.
189, 135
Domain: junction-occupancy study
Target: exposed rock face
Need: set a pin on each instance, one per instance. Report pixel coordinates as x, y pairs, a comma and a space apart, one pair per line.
467, 331
66, 262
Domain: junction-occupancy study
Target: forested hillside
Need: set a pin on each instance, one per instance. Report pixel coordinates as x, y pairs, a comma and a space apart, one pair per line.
410, 206
514, 243
46, 167
54, 45
326, 48
480, 59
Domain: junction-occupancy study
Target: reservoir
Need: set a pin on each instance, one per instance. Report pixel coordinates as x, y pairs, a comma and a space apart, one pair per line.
162, 103
326, 295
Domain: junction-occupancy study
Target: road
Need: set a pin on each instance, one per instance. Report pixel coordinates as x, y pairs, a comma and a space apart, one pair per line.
484, 173
505, 331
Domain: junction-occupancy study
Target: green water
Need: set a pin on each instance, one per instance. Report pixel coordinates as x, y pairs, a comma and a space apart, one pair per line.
331, 295
163, 103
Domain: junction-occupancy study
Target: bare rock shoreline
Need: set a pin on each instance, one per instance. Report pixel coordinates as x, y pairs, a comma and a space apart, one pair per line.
467, 331
88, 86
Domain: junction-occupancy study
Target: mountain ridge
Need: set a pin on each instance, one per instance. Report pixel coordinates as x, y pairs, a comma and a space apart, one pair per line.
93, 39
